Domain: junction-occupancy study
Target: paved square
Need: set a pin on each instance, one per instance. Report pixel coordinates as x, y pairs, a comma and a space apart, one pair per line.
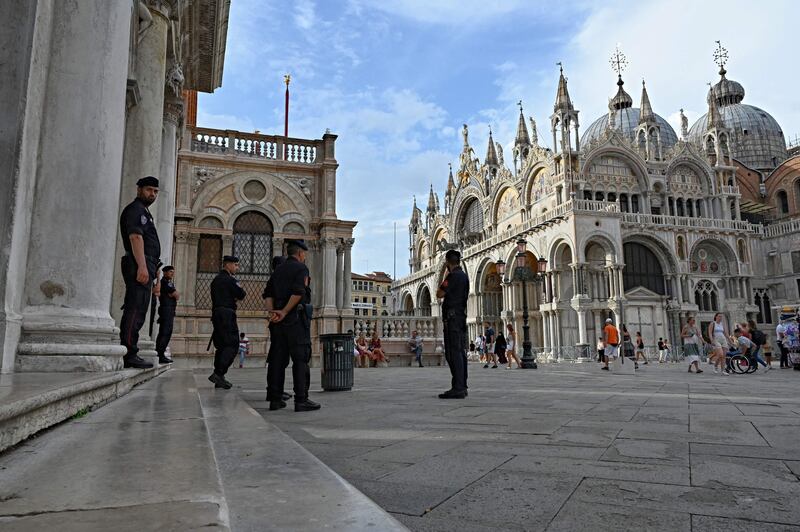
563, 447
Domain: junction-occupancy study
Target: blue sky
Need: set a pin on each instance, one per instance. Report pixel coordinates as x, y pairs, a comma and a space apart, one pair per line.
396, 79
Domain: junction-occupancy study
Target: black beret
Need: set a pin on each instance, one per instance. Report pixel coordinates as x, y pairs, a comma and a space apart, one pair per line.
167, 268
299, 243
148, 181
452, 256
230, 258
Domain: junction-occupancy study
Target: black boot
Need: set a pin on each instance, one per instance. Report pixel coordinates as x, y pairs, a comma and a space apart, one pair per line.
306, 406
135, 361
277, 405
219, 381
164, 359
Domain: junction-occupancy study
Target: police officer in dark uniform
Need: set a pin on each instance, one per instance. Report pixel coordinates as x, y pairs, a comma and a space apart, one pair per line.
167, 302
225, 292
455, 289
273, 342
289, 300
139, 266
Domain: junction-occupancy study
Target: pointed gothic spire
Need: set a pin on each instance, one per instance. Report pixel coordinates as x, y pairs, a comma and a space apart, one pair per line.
415, 213
522, 138
450, 183
431, 201
491, 152
563, 101
646, 114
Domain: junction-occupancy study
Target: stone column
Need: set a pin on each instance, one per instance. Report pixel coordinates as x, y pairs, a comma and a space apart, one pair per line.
348, 284
329, 272
340, 277
581, 325
546, 330
66, 325
165, 214
186, 267
143, 132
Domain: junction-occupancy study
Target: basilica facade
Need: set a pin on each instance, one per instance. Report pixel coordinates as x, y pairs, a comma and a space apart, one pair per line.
636, 222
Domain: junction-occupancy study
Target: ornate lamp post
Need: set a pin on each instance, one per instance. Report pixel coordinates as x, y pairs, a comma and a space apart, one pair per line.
524, 274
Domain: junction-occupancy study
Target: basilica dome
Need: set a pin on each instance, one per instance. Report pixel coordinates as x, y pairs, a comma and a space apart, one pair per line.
626, 119
757, 138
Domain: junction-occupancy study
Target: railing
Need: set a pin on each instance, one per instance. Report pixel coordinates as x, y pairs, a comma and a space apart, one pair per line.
782, 228
584, 205
273, 147
398, 326
730, 190
681, 221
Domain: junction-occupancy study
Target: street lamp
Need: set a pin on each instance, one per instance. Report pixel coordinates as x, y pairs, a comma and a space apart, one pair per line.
524, 274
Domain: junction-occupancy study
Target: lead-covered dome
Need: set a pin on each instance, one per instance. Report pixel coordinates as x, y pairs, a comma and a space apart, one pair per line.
626, 119
756, 137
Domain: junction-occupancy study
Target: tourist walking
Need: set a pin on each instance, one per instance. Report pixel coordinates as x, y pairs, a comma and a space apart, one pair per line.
415, 345
225, 292
289, 303
640, 348
780, 337
139, 267
759, 339
692, 341
167, 303
610, 342
454, 291
489, 346
244, 348
628, 350
511, 345
500, 345
718, 334
601, 349
479, 347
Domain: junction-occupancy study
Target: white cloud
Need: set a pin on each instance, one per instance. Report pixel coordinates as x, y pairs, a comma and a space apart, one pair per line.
304, 14
224, 121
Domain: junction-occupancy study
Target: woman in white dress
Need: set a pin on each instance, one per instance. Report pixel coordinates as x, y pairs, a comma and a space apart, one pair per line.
718, 334
511, 344
691, 344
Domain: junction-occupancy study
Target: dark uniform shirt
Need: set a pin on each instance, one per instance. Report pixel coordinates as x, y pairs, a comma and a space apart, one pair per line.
225, 291
456, 291
136, 219
289, 279
167, 288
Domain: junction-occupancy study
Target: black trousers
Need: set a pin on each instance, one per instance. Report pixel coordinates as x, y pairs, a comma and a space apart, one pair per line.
134, 309
225, 338
289, 341
166, 318
455, 352
784, 356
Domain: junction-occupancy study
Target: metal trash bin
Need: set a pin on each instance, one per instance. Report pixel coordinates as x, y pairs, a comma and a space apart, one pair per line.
337, 362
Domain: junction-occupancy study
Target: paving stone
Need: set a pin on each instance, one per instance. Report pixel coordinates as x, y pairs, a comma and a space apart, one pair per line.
705, 523
404, 497
601, 516
648, 451
449, 469
426, 523
756, 504
745, 451
411, 451
735, 471
672, 474
510, 500
505, 448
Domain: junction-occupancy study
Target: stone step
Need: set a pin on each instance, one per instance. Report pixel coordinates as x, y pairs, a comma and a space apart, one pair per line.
176, 454
31, 402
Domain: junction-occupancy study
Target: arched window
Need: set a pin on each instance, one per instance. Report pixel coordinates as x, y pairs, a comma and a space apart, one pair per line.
472, 218
783, 202
252, 243
424, 304
587, 194
209, 262
642, 268
598, 196
612, 197
634, 202
679, 207
797, 194
762, 301
705, 296
623, 202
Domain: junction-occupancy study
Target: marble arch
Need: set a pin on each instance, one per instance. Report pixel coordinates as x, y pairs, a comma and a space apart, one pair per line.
629, 157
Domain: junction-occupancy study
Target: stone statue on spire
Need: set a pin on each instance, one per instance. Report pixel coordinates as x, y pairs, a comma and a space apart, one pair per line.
684, 126
465, 134
534, 133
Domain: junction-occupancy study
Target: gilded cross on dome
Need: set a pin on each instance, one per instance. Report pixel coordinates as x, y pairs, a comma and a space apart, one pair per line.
618, 61
720, 55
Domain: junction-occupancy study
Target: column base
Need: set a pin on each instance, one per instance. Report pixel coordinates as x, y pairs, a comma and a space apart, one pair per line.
65, 340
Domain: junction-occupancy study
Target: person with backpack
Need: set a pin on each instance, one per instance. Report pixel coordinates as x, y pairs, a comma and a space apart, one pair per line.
489, 346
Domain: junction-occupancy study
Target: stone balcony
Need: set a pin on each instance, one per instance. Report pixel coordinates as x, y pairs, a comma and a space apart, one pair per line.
255, 145
684, 222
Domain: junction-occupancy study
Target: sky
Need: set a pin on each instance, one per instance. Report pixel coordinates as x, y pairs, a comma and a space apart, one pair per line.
395, 80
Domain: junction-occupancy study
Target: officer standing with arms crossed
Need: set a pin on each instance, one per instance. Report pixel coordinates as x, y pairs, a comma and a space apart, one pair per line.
167, 302
455, 289
288, 298
139, 267
225, 292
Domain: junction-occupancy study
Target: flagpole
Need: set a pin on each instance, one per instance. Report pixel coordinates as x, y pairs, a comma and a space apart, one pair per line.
286, 79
